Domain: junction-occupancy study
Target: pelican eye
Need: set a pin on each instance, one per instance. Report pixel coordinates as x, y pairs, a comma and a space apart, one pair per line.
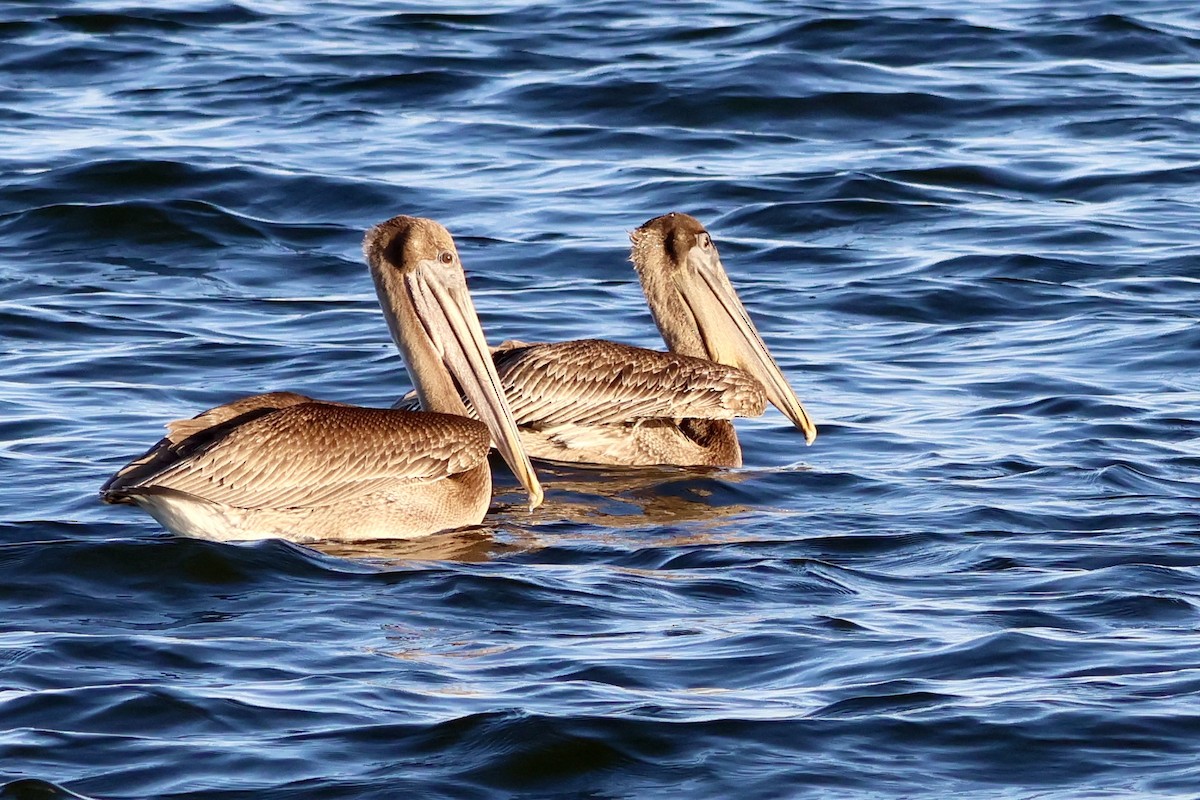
705, 241
446, 257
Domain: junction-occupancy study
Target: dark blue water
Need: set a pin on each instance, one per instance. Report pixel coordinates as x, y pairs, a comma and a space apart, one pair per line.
968, 232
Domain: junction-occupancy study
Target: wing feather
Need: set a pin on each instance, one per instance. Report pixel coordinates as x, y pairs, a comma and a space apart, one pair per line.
596, 382
313, 454
185, 436
180, 429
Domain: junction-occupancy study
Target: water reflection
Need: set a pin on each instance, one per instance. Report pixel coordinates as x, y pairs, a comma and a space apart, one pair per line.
615, 497
474, 544
589, 500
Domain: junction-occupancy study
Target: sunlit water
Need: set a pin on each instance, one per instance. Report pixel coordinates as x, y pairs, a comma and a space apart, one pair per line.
967, 231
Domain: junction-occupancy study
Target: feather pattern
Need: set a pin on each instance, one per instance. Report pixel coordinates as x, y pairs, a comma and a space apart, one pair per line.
186, 436
283, 464
180, 429
602, 402
598, 382
312, 454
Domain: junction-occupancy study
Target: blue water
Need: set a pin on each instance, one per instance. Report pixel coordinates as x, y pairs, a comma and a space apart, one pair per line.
967, 231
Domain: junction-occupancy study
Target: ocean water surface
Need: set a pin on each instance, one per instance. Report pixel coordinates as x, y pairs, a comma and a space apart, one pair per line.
967, 231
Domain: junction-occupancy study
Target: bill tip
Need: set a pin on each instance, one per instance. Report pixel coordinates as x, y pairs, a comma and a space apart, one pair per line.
536, 496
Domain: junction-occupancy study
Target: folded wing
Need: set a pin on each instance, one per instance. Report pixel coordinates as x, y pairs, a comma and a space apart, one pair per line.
305, 454
598, 382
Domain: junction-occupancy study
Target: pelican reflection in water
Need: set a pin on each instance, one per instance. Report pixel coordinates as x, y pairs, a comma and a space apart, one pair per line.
617, 506
282, 464
594, 401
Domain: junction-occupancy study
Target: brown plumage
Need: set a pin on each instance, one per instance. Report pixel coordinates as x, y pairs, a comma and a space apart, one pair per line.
594, 401
597, 382
601, 402
282, 464
332, 449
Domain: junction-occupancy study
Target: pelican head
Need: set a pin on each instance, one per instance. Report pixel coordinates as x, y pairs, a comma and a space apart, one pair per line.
423, 291
699, 313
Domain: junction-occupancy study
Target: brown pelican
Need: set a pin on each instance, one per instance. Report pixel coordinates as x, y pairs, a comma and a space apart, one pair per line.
600, 402
282, 464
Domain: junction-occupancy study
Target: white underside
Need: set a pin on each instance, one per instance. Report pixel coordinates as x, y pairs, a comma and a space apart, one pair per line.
186, 515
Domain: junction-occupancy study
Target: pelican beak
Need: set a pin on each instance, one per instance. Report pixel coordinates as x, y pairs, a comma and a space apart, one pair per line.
731, 338
444, 308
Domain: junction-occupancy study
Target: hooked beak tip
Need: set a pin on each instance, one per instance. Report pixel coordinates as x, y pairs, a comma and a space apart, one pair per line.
536, 497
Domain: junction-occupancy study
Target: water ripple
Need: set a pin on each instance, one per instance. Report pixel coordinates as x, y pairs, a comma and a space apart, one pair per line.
966, 233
